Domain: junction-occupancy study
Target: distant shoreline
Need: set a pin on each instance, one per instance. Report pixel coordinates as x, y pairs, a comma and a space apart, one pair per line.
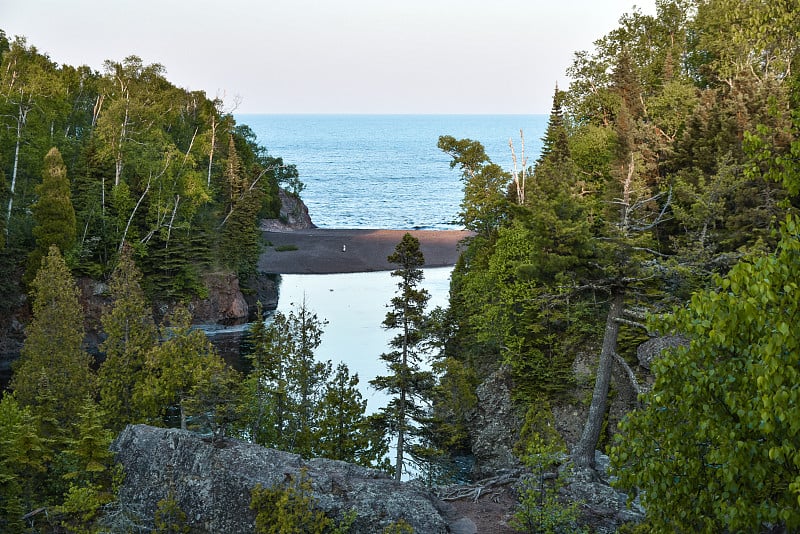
331, 251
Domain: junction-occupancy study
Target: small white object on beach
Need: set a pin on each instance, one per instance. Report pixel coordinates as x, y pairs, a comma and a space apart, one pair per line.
344, 248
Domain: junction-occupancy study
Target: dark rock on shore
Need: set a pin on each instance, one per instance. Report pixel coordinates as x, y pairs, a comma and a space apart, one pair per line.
211, 483
293, 215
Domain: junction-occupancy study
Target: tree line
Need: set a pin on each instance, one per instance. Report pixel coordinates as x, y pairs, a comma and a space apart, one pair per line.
92, 160
664, 201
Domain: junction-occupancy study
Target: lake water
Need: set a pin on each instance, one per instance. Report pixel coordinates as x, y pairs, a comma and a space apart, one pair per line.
384, 171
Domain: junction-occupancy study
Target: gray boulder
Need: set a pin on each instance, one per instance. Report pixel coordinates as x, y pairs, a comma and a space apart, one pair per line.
211, 483
494, 427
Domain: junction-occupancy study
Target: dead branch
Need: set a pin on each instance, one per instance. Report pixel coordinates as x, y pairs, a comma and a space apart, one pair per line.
493, 487
629, 372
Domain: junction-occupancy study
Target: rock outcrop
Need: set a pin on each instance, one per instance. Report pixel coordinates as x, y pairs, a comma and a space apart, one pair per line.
211, 482
603, 509
494, 427
225, 303
293, 215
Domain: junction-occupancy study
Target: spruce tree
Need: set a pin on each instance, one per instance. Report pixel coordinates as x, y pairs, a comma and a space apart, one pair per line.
343, 430
131, 334
284, 390
306, 380
406, 382
555, 143
53, 214
53, 374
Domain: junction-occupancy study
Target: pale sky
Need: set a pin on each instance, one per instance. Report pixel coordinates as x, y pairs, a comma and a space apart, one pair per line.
334, 56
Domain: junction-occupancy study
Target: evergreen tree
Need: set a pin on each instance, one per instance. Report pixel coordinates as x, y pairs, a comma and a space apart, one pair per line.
306, 378
555, 143
53, 214
264, 406
344, 432
240, 236
407, 383
89, 466
284, 390
131, 334
23, 457
53, 374
175, 370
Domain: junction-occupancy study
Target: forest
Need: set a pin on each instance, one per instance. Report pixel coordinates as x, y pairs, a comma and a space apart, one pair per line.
662, 208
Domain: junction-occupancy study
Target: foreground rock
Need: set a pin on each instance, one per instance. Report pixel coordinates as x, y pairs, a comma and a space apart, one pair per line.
211, 482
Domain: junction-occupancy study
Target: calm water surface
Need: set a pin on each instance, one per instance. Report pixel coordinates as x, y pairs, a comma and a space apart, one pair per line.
355, 305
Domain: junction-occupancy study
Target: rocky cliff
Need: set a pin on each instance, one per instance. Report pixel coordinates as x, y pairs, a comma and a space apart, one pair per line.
211, 483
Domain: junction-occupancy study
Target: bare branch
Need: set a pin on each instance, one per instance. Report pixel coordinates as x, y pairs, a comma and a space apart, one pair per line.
629, 372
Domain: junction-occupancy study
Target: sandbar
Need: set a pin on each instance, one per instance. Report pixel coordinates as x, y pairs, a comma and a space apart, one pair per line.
329, 251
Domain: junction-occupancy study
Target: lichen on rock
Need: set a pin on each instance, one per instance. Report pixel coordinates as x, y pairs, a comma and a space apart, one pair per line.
211, 483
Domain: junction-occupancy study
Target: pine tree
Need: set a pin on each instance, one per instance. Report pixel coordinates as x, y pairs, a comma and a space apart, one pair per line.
53, 214
407, 382
53, 374
131, 334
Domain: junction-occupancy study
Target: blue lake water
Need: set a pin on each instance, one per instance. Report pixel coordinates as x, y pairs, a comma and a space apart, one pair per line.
384, 171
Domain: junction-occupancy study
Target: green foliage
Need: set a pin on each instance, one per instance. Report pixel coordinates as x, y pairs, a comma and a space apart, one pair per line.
284, 390
285, 248
53, 214
169, 517
130, 335
53, 374
292, 402
400, 526
344, 431
148, 164
90, 470
185, 372
408, 384
484, 206
715, 448
23, 457
292, 510
540, 509
240, 235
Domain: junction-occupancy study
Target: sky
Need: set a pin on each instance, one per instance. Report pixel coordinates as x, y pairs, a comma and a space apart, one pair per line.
334, 56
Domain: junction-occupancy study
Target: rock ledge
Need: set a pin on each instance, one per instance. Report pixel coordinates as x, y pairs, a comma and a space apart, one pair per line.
211, 482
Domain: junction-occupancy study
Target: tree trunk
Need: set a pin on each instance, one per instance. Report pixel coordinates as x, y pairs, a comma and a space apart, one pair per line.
401, 423
23, 113
583, 453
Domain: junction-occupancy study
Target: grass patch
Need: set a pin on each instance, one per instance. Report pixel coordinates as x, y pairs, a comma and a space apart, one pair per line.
285, 248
